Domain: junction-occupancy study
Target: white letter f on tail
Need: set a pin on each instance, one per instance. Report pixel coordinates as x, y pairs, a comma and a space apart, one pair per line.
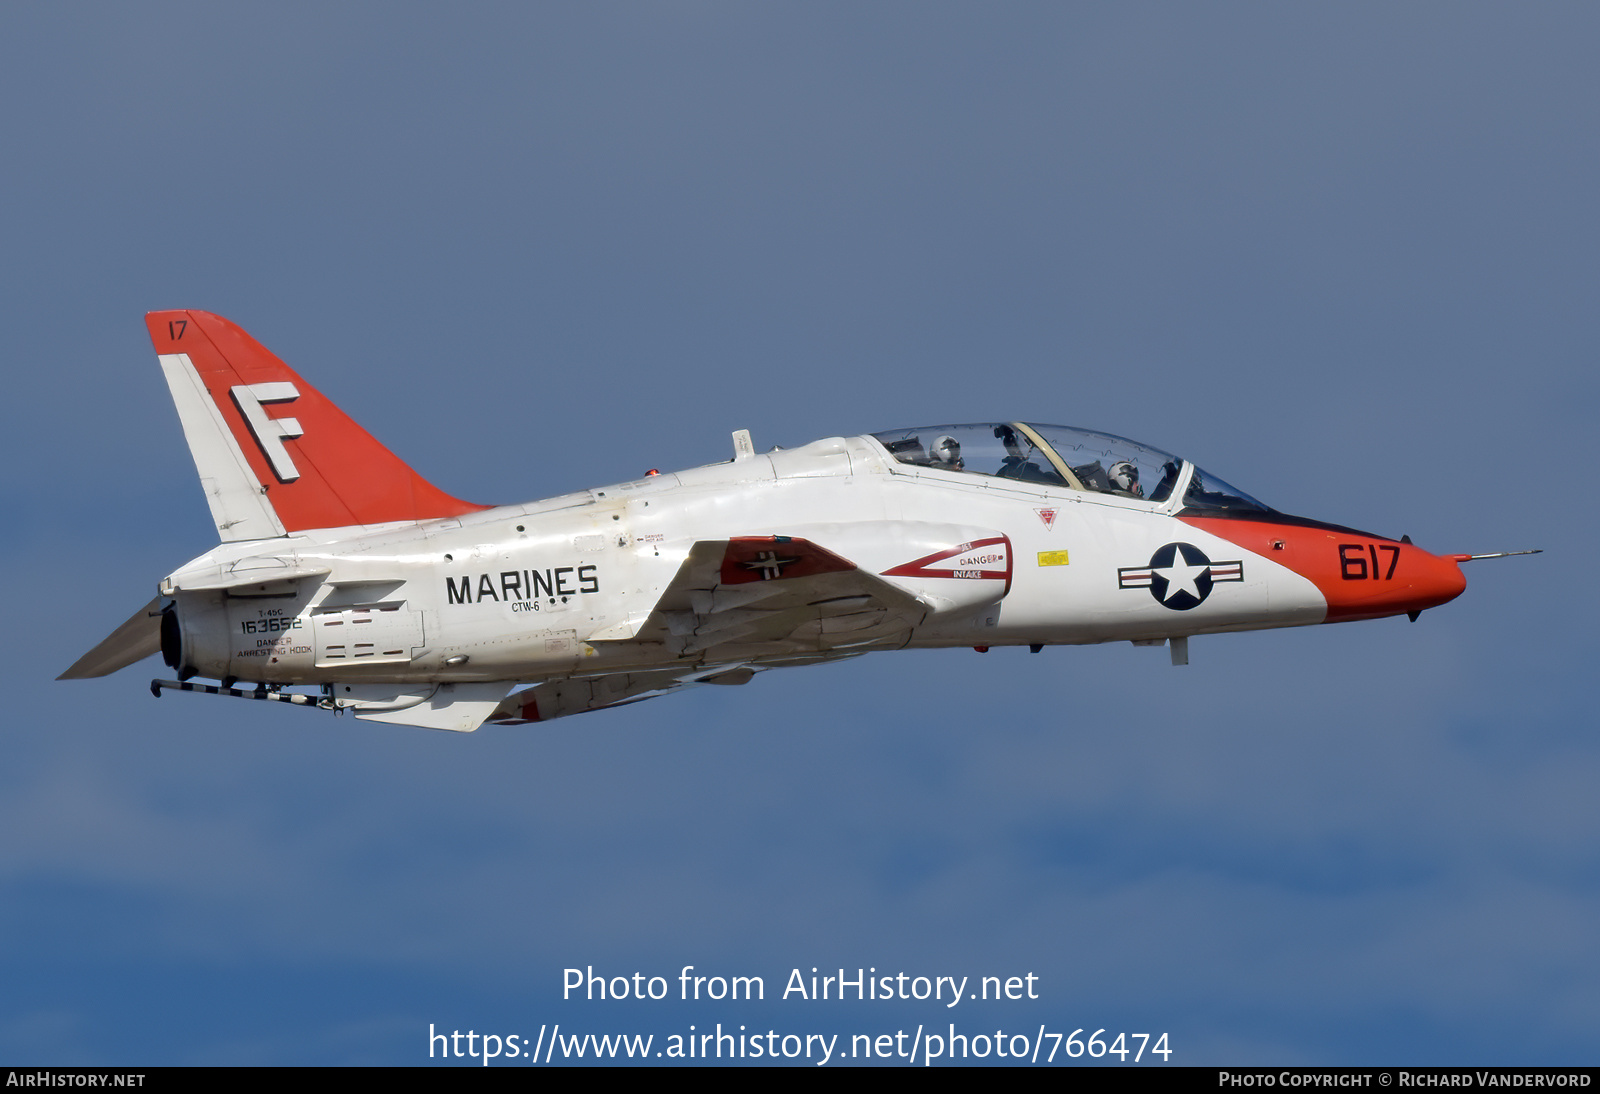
270, 432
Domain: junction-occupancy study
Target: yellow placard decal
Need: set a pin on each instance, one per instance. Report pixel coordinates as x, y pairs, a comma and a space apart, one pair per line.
1052, 558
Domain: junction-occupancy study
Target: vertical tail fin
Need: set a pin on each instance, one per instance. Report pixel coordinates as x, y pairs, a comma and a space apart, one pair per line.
274, 454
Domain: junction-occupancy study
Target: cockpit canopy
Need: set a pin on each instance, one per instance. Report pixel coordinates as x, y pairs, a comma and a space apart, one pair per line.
1064, 457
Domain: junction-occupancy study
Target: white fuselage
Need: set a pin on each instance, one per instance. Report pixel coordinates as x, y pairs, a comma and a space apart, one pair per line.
567, 586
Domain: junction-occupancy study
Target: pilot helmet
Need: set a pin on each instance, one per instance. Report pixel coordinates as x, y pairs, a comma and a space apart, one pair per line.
946, 450
1125, 476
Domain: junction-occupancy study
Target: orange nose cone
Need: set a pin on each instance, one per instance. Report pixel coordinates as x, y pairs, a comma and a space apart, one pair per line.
1404, 578
1361, 576
1447, 581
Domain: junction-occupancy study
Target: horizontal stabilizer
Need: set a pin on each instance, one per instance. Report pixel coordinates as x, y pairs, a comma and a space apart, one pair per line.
135, 640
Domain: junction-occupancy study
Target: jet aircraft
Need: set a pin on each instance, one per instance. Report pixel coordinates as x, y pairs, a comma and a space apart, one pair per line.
340, 570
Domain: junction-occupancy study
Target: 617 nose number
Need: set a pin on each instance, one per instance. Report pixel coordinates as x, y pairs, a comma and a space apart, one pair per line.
1353, 561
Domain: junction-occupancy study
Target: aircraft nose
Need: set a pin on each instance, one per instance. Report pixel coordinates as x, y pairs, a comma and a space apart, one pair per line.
1379, 577
1360, 575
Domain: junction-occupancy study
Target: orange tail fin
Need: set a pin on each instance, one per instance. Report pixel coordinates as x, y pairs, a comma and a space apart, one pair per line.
274, 454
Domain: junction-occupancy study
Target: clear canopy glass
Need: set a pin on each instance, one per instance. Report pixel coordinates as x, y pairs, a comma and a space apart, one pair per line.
1061, 456
1206, 491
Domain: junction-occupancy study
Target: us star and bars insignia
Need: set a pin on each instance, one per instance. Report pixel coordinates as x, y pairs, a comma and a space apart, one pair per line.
772, 558
1179, 576
769, 564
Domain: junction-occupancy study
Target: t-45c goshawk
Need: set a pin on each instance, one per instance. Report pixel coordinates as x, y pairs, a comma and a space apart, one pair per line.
342, 571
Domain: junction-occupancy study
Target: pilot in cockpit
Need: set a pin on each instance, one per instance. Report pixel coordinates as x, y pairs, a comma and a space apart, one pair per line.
1125, 479
946, 453
1015, 465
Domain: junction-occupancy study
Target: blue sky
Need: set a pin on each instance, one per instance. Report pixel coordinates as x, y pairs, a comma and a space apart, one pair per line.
1344, 256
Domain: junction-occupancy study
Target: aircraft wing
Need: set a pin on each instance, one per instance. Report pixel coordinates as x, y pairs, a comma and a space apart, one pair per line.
773, 596
782, 599
559, 698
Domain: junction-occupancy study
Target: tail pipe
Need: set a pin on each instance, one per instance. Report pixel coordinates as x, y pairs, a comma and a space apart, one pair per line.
172, 641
